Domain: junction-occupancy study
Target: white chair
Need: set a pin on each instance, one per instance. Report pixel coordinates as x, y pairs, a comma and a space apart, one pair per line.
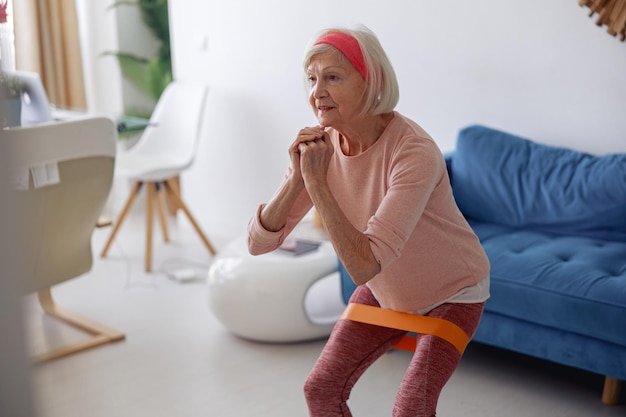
166, 148
61, 174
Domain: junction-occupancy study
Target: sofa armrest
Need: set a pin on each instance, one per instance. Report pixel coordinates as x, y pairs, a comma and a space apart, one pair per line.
347, 285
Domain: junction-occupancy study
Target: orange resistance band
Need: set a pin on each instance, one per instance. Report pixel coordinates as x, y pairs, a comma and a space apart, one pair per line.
444, 329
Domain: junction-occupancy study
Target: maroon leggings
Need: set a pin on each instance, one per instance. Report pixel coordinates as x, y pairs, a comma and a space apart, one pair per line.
352, 347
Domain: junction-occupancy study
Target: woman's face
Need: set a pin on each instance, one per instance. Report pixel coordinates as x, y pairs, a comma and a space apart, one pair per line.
336, 89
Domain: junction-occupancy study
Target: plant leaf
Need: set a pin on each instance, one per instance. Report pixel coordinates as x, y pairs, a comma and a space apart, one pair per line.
159, 76
134, 68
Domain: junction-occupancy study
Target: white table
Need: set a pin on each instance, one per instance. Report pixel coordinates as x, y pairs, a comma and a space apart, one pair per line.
266, 297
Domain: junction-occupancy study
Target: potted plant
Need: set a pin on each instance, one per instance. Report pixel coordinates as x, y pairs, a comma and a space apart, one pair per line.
150, 74
11, 99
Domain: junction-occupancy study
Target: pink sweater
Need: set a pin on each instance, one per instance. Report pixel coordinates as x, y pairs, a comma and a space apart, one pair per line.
398, 193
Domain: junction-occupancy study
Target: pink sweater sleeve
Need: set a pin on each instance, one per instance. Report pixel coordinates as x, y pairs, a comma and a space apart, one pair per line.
414, 175
261, 240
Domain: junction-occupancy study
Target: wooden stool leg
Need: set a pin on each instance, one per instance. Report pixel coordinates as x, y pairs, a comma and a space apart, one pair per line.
610, 394
122, 216
160, 197
149, 213
171, 185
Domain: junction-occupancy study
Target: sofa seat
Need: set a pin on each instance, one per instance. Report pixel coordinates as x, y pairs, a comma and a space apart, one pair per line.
575, 284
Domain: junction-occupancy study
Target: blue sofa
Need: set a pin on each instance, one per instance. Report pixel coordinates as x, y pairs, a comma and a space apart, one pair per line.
553, 224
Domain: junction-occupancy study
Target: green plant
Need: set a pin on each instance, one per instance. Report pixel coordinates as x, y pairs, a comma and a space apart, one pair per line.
153, 74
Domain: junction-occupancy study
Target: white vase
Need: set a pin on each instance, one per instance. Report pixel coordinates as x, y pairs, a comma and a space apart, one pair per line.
11, 112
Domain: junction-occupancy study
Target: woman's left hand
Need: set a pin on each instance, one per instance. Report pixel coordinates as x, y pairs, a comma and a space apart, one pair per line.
315, 158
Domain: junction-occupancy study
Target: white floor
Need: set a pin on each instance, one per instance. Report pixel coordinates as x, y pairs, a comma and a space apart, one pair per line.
179, 361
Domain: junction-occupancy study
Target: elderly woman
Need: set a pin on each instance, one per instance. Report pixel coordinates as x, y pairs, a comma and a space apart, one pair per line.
380, 185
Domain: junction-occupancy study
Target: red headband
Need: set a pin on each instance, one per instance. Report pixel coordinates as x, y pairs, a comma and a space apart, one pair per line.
347, 45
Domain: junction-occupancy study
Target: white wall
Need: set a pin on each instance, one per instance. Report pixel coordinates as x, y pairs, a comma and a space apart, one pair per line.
539, 69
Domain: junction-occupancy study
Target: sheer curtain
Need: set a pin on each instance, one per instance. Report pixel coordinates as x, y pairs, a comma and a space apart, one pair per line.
47, 42
7, 61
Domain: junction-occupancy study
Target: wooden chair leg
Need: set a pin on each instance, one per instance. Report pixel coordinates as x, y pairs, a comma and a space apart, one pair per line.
101, 334
172, 187
172, 205
122, 216
149, 212
610, 394
160, 197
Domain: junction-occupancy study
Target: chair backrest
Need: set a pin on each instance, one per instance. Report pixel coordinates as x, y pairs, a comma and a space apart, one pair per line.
176, 123
61, 174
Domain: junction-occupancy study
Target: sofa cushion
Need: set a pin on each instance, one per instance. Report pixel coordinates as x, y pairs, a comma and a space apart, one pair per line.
502, 178
576, 284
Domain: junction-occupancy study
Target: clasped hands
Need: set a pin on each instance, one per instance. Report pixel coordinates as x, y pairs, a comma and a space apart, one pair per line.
310, 155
